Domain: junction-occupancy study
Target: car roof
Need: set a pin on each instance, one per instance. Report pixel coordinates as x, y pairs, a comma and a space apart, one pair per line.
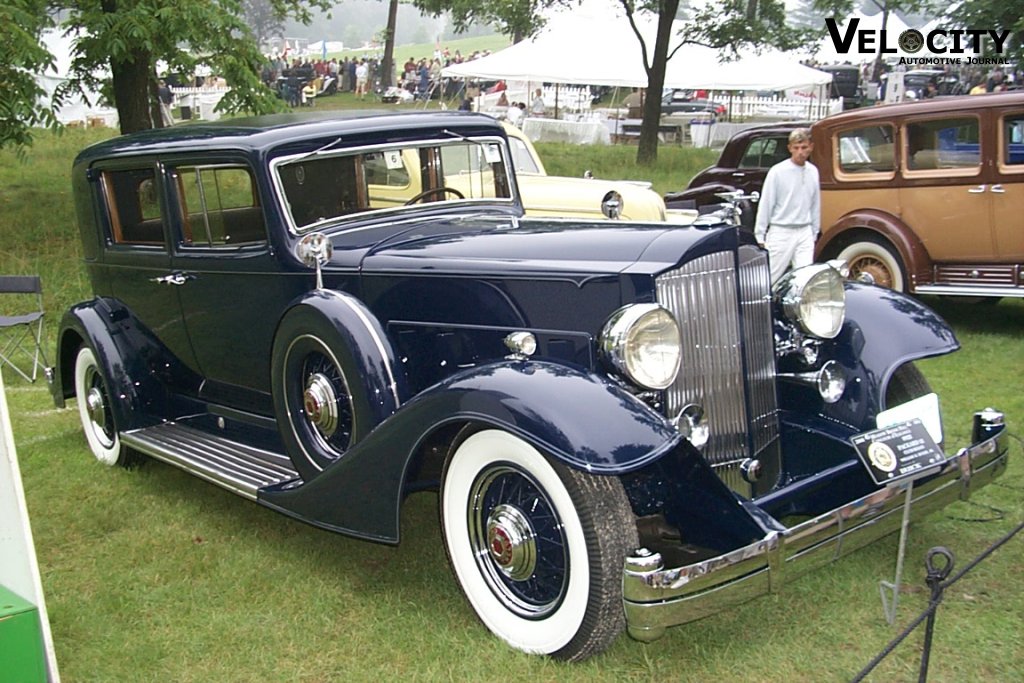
951, 104
260, 133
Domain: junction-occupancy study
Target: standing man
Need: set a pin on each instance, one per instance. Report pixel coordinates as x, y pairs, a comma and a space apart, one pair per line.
789, 211
538, 107
362, 75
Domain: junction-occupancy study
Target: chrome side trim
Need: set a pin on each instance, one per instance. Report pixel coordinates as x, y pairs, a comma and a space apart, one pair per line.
231, 465
964, 290
656, 597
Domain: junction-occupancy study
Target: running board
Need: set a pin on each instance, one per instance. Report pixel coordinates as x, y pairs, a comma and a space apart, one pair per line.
232, 465
957, 290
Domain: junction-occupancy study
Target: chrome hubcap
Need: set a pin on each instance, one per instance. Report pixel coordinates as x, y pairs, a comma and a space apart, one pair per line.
96, 407
510, 542
321, 404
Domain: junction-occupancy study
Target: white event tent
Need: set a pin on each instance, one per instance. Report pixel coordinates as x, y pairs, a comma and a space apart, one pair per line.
588, 49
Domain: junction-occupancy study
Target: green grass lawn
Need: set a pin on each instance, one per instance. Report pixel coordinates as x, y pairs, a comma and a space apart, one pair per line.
153, 575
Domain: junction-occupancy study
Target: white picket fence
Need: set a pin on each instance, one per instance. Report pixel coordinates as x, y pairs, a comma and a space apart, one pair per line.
769, 108
201, 101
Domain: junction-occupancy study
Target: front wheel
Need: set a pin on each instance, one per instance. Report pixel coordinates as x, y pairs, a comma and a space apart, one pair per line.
537, 548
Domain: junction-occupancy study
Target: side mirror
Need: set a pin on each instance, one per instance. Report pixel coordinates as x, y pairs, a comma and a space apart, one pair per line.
315, 250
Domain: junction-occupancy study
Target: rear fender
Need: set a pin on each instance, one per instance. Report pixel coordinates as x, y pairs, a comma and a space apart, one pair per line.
581, 419
137, 369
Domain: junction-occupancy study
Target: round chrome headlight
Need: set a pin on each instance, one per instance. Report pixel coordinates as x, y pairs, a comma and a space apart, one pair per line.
641, 341
813, 298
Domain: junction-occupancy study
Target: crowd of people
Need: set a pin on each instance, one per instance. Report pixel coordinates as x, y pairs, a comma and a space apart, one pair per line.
359, 75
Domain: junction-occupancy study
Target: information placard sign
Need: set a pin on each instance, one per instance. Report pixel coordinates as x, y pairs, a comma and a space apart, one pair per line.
900, 452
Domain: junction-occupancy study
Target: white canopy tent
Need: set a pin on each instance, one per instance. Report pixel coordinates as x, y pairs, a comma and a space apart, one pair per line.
76, 110
585, 49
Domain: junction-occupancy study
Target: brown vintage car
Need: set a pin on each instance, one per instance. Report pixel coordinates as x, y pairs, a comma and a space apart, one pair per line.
927, 196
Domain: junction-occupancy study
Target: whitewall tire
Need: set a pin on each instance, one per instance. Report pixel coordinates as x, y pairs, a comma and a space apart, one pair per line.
876, 259
95, 412
537, 548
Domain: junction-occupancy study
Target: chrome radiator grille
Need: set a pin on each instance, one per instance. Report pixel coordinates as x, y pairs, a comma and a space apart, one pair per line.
728, 364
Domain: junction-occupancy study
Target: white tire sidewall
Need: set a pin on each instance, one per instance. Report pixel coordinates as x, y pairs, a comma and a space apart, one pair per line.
860, 249
106, 454
536, 636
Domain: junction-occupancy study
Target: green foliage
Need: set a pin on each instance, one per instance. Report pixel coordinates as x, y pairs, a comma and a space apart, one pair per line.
181, 35
994, 14
21, 22
517, 18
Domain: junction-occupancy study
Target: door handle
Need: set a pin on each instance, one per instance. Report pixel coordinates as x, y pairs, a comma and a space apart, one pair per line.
977, 190
738, 175
173, 279
998, 189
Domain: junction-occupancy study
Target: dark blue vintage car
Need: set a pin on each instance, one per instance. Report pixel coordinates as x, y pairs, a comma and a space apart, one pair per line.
628, 426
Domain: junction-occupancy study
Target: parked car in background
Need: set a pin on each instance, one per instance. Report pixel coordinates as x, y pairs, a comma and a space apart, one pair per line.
627, 426
899, 185
742, 166
583, 197
845, 84
927, 196
682, 102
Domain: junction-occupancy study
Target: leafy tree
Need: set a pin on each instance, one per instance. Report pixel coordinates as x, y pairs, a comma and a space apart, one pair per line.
127, 38
21, 23
516, 18
994, 14
723, 25
262, 19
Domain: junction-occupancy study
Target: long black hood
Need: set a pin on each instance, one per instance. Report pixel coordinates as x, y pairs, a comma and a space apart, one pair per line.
543, 247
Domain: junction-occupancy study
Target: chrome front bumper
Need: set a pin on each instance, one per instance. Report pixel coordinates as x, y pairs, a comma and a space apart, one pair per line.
656, 597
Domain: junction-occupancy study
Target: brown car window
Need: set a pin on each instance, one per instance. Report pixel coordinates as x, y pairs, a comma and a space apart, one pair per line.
950, 143
1013, 141
867, 150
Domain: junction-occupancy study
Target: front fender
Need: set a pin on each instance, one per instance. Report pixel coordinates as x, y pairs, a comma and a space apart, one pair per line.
884, 329
581, 419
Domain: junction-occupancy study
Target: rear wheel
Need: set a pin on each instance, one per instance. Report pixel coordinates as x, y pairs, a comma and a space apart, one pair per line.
877, 258
537, 548
95, 412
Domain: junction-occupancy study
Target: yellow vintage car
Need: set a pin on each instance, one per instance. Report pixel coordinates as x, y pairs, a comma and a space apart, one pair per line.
393, 179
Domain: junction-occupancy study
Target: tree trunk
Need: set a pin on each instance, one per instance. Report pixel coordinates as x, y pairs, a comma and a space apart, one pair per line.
388, 63
647, 148
131, 92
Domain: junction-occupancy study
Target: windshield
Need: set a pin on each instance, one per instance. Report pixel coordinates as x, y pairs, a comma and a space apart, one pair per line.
323, 187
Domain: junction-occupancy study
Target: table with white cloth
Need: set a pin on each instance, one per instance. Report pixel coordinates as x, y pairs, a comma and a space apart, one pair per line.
559, 130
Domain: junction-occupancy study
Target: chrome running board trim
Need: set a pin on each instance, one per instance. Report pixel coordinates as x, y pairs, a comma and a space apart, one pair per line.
234, 466
959, 290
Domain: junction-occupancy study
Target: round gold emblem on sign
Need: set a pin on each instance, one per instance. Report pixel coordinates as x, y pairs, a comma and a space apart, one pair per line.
882, 456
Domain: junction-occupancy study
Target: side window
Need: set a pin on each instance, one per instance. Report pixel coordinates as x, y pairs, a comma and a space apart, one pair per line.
521, 157
752, 156
943, 144
219, 206
866, 150
474, 170
1012, 153
133, 206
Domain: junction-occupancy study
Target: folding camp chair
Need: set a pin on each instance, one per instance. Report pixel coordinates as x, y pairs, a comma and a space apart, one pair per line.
21, 335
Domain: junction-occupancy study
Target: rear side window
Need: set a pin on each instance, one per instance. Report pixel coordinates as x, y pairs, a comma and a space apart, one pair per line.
950, 143
133, 206
220, 206
866, 150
